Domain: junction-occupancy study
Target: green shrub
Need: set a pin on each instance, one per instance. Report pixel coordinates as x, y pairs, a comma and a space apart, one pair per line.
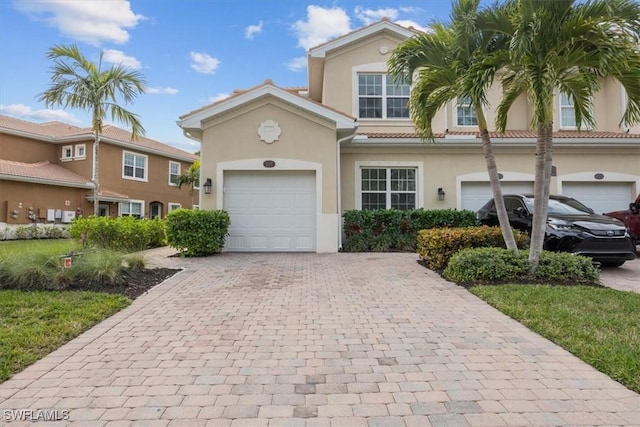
126, 234
197, 232
436, 246
485, 265
135, 262
391, 229
498, 265
98, 267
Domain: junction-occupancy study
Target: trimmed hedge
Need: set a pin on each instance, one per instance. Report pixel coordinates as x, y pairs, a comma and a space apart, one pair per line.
197, 232
436, 246
391, 229
491, 265
125, 233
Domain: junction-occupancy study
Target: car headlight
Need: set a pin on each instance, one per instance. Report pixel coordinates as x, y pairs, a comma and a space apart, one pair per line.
561, 226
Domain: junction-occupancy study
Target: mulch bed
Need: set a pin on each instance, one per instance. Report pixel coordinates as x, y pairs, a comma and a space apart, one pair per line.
134, 284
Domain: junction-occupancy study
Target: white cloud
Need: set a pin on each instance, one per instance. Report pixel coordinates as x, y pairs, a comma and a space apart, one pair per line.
203, 63
408, 23
251, 30
118, 57
162, 90
369, 16
219, 97
93, 22
322, 24
22, 111
297, 64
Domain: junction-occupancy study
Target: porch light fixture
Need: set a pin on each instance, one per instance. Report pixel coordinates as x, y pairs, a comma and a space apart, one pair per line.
441, 194
207, 186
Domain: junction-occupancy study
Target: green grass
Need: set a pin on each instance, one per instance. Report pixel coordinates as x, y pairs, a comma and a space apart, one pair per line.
33, 324
601, 326
14, 248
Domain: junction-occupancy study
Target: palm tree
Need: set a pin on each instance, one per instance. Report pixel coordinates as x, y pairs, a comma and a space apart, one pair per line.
79, 83
567, 46
190, 177
452, 61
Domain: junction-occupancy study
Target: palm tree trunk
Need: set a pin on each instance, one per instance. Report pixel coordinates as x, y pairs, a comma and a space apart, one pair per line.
96, 174
544, 161
494, 179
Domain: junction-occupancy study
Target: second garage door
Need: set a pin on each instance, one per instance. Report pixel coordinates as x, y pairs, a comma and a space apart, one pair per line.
600, 196
271, 211
476, 194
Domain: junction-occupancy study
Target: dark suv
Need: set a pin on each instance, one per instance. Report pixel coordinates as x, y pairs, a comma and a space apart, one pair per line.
571, 227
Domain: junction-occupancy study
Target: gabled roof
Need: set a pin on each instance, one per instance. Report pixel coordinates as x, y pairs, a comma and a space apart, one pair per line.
41, 172
193, 120
60, 133
383, 25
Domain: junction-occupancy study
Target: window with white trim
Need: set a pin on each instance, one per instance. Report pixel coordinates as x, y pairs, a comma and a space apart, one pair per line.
380, 98
196, 207
81, 151
67, 152
174, 173
174, 206
388, 188
134, 166
567, 111
132, 208
465, 114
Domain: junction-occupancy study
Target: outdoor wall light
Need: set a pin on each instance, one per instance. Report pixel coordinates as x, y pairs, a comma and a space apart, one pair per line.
207, 186
441, 194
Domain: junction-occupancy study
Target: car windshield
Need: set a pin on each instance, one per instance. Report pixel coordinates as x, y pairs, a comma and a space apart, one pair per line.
563, 207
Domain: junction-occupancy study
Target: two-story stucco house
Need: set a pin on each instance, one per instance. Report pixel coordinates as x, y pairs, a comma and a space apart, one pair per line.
46, 170
286, 163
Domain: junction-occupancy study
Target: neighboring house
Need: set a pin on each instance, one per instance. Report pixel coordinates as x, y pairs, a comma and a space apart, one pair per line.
286, 163
46, 170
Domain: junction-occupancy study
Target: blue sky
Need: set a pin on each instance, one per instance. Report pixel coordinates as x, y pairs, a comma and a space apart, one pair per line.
190, 52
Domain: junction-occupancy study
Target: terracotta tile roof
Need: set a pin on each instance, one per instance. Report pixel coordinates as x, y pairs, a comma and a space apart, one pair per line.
510, 134
108, 193
41, 170
57, 131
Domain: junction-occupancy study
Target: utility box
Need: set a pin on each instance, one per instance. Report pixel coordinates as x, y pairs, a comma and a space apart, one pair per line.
51, 215
68, 216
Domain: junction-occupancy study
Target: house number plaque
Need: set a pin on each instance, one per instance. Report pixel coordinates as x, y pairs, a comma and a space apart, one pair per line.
269, 163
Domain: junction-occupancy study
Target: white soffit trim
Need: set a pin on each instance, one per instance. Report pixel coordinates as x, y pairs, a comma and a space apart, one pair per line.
195, 121
321, 51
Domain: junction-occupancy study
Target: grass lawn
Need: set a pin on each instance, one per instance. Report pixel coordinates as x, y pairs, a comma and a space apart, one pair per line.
10, 248
601, 326
33, 324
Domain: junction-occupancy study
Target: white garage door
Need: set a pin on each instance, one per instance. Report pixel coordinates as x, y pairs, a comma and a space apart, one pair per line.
271, 211
476, 194
600, 196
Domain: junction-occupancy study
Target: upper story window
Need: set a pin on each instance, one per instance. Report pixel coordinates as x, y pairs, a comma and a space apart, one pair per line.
67, 152
81, 151
174, 173
465, 114
134, 166
567, 111
380, 98
388, 188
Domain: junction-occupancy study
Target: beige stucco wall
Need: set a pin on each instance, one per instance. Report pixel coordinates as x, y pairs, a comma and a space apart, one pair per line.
443, 165
304, 136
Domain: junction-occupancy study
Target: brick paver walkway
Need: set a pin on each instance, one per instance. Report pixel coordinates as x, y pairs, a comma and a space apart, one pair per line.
315, 340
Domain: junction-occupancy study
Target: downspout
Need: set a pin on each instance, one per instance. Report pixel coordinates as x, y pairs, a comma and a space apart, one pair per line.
339, 181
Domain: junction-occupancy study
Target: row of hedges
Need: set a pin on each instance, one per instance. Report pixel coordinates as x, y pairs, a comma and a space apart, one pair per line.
191, 232
126, 233
436, 246
391, 229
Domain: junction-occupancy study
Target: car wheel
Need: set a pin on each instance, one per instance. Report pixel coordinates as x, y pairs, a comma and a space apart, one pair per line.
612, 263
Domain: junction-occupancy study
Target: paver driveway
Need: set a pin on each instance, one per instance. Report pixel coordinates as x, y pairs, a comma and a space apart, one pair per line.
316, 340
